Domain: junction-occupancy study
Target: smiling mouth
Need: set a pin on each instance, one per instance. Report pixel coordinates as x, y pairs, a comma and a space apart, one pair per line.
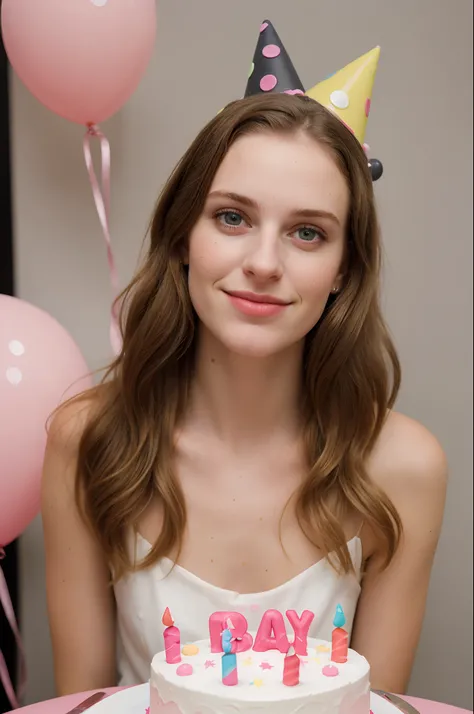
256, 305
258, 298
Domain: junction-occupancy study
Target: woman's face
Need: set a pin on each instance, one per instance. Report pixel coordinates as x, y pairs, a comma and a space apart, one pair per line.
269, 246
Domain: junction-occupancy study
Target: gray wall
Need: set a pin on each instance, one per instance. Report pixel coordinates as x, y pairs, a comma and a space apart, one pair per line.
421, 126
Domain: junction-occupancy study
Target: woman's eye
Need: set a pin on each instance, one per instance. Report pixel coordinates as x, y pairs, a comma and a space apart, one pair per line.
308, 234
232, 219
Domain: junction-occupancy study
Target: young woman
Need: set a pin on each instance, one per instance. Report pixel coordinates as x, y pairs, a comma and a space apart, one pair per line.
242, 453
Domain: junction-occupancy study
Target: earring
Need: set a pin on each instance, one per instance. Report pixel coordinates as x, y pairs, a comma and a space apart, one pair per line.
335, 290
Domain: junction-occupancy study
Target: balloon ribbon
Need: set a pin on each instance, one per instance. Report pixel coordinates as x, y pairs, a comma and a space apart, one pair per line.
6, 603
101, 193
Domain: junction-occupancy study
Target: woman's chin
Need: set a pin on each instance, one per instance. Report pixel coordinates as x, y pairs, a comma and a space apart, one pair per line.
249, 341
255, 347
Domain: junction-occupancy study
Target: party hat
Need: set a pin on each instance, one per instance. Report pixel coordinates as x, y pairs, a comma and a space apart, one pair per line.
348, 93
272, 69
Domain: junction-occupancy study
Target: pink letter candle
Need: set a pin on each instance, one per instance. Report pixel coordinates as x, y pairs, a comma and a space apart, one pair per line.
301, 627
172, 639
219, 621
291, 668
271, 635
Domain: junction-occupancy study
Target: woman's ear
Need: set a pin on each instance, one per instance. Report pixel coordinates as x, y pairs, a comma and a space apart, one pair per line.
338, 283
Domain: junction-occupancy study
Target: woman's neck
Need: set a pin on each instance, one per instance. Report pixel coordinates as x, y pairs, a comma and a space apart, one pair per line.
246, 399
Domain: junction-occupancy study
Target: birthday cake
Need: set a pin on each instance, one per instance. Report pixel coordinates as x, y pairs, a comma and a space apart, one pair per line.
278, 669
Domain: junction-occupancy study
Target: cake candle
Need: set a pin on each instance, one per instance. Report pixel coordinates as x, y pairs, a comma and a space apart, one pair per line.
230, 675
291, 668
172, 638
340, 638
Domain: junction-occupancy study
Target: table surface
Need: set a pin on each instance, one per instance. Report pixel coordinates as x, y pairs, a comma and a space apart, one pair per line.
63, 704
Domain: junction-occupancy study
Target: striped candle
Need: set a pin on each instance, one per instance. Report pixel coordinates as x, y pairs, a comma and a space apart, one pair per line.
340, 638
291, 668
230, 675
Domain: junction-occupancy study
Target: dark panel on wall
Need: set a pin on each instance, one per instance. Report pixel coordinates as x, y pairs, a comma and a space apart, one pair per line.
10, 563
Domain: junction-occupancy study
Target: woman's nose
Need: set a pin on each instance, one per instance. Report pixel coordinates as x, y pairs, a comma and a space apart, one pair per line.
263, 260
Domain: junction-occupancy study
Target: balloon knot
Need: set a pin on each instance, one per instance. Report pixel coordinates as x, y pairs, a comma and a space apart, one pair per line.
2, 552
93, 130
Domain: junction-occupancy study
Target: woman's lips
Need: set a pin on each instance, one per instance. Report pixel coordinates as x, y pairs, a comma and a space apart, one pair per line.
256, 305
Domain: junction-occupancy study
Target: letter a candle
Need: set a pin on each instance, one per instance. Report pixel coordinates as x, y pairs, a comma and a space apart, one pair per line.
340, 638
172, 638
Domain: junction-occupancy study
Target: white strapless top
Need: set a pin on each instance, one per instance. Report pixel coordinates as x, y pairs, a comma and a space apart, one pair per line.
142, 598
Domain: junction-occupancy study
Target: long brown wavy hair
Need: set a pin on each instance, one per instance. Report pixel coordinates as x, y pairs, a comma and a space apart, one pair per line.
351, 373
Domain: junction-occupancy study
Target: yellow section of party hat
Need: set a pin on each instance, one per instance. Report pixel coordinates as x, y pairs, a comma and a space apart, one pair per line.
348, 93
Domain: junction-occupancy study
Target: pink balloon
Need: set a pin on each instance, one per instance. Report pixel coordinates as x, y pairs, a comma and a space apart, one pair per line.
40, 365
81, 58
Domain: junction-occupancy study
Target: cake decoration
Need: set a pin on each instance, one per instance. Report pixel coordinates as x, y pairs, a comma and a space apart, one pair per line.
184, 670
323, 648
301, 627
291, 668
330, 670
242, 639
190, 650
340, 638
229, 660
172, 638
271, 634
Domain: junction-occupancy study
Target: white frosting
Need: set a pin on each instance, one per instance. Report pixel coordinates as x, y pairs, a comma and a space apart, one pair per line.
260, 688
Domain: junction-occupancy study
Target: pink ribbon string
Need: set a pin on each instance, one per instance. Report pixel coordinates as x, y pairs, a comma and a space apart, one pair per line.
101, 193
6, 603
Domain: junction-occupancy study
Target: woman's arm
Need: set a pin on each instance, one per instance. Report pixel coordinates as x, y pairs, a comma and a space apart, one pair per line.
411, 467
80, 599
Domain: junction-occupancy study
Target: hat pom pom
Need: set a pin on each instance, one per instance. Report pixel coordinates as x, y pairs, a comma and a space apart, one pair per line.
376, 169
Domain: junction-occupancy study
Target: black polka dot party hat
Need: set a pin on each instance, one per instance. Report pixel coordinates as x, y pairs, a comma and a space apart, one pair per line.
272, 69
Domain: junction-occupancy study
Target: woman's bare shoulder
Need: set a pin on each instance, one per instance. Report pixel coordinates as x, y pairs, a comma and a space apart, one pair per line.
410, 465
407, 449
67, 424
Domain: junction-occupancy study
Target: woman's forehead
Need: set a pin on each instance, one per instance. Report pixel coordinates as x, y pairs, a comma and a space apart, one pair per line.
293, 171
